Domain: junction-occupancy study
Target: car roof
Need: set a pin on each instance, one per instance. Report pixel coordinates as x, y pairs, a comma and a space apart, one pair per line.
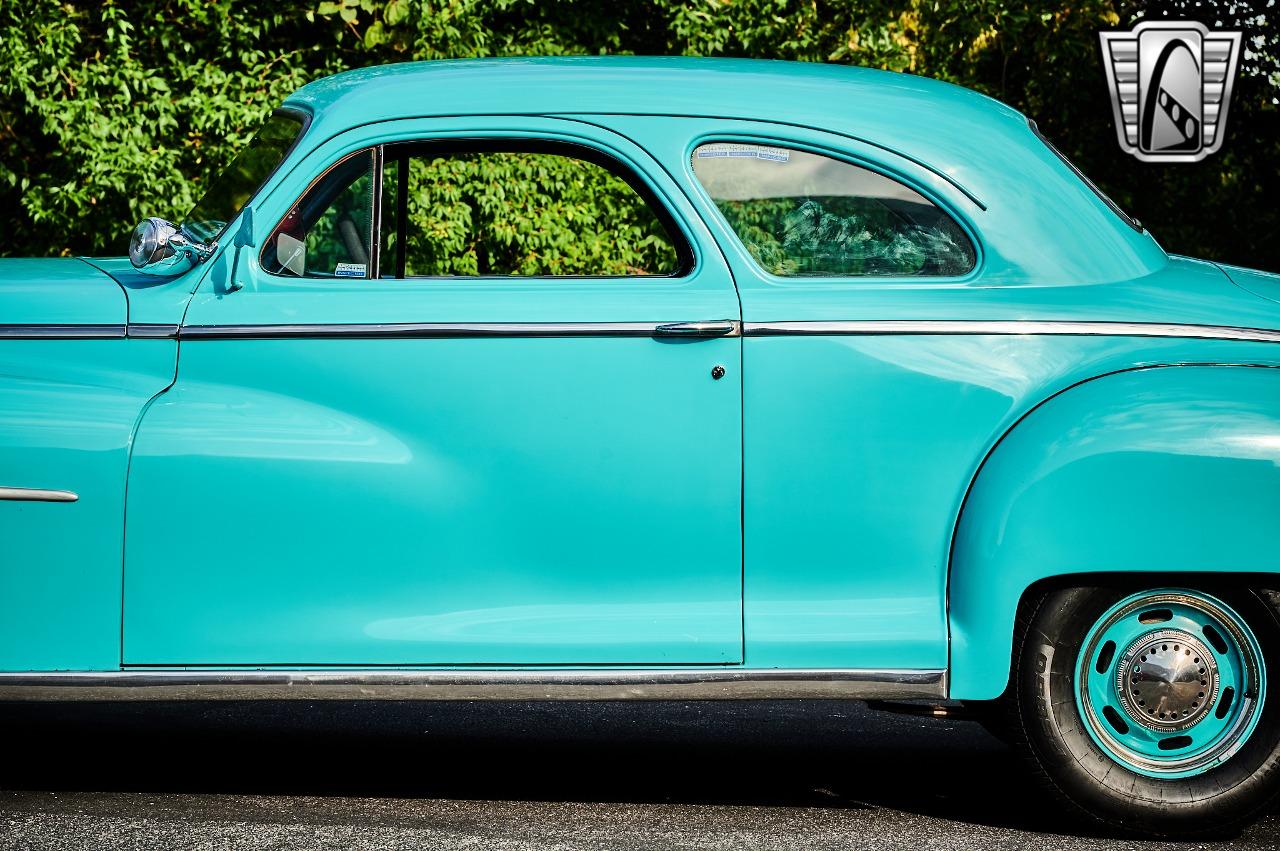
978, 144
654, 85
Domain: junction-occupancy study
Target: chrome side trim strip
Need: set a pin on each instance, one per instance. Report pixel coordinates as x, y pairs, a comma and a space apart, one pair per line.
86, 332
433, 330
982, 327
36, 495
445, 330
61, 332
560, 684
147, 330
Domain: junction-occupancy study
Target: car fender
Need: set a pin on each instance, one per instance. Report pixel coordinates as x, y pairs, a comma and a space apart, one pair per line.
69, 409
1150, 470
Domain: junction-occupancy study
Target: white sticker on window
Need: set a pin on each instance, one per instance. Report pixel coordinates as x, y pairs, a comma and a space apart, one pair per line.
735, 149
350, 270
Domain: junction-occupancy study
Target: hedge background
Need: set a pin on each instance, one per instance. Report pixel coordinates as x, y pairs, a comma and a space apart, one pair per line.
112, 111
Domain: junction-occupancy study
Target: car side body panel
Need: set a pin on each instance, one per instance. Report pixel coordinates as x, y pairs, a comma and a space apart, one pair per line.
1151, 470
438, 501
860, 451
67, 414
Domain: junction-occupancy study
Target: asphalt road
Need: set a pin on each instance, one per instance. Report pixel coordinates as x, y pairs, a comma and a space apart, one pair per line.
777, 775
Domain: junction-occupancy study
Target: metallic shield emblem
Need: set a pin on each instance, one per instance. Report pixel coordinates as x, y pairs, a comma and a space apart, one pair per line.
1170, 85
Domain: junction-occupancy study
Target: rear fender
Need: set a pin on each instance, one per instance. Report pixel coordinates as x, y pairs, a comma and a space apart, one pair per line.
1160, 470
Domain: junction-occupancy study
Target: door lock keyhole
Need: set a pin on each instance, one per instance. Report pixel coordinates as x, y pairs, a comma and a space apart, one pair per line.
717, 372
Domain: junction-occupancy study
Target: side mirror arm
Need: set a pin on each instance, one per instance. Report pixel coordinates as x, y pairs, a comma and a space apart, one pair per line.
243, 237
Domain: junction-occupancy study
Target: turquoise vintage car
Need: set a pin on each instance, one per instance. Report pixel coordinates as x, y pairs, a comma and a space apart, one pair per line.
823, 382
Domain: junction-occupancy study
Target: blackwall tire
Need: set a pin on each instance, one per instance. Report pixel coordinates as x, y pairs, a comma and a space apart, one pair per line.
1077, 750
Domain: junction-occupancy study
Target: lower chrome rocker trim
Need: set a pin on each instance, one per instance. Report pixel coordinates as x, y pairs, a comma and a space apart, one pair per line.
687, 684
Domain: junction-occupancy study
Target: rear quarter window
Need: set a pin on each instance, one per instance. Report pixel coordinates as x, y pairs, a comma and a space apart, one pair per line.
801, 214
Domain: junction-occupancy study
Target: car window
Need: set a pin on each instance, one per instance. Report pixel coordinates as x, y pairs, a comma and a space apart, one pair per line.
538, 210
230, 191
328, 233
804, 214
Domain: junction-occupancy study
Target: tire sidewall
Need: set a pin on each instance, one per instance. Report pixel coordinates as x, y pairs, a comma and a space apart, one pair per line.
1048, 708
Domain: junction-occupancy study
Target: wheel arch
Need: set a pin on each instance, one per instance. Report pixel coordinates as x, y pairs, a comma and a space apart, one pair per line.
1158, 470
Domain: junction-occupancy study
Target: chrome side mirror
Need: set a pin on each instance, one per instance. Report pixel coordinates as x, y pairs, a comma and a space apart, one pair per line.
158, 247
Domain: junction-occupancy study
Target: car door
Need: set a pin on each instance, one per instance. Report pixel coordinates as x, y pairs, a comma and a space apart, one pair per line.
454, 400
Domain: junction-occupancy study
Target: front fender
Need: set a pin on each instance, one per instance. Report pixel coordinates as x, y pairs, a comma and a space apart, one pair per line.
1159, 470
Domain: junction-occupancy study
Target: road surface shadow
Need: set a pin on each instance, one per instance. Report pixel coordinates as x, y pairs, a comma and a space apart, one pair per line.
770, 753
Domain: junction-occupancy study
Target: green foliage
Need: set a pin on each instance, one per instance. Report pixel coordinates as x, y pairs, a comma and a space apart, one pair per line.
840, 235
528, 214
111, 111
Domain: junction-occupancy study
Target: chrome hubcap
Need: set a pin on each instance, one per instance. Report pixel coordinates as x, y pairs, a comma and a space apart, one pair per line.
1170, 683
1167, 681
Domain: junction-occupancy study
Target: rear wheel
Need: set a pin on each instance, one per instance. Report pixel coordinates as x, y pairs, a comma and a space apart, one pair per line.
1151, 710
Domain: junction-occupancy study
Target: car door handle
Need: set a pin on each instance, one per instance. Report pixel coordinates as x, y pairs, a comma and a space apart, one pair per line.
706, 328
